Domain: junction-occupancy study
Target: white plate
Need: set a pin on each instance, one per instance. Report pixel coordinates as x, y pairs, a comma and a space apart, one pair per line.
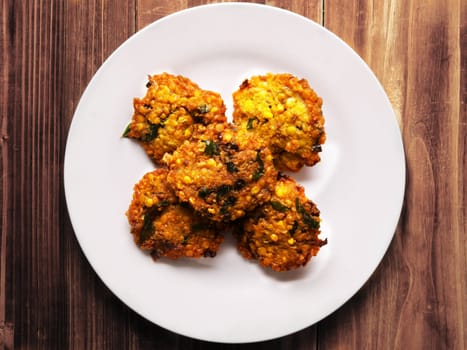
358, 185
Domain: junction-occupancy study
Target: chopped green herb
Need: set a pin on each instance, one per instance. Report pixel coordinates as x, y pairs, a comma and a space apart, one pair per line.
231, 167
307, 218
163, 203
239, 184
209, 254
204, 192
199, 112
222, 190
294, 228
126, 131
184, 205
316, 148
199, 226
279, 206
152, 134
231, 145
203, 109
148, 227
231, 200
211, 148
249, 124
260, 171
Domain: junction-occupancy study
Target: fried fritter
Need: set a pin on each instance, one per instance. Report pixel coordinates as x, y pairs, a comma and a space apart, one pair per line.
173, 110
283, 233
285, 113
220, 179
165, 227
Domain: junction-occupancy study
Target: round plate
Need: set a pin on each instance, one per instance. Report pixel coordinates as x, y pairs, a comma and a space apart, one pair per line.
358, 185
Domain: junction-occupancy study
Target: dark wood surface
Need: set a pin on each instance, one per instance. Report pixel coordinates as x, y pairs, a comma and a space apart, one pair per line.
50, 298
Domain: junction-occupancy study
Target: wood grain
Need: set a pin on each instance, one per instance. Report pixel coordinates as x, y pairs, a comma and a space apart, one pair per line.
148, 11
52, 50
30, 169
413, 48
95, 319
50, 298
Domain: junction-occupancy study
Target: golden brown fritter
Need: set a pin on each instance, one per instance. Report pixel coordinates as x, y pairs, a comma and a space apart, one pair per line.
219, 178
285, 113
283, 233
163, 226
173, 110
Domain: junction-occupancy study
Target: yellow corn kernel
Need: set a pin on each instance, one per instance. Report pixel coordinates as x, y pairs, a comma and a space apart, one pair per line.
291, 241
139, 126
239, 213
227, 137
268, 114
300, 109
247, 105
211, 162
281, 224
281, 190
188, 180
291, 130
255, 190
290, 101
262, 94
279, 108
211, 210
148, 202
274, 237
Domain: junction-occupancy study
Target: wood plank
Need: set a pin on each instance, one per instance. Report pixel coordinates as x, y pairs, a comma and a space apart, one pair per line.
92, 30
149, 11
31, 234
416, 299
6, 326
310, 9
51, 51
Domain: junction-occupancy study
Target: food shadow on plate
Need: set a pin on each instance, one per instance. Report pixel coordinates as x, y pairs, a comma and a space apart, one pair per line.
304, 175
183, 262
286, 276
283, 276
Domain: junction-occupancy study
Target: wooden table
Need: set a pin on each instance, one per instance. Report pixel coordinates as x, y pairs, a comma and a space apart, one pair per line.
50, 298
